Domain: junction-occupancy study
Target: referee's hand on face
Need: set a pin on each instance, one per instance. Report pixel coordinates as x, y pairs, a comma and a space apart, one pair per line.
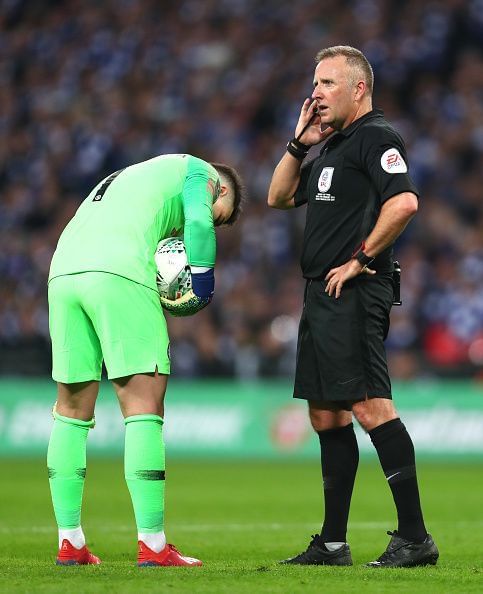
336, 277
309, 123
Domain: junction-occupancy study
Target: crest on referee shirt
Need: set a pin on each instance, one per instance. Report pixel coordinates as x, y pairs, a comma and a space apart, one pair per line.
325, 179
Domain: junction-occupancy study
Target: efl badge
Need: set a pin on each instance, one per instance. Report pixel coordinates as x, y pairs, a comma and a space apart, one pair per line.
392, 162
325, 179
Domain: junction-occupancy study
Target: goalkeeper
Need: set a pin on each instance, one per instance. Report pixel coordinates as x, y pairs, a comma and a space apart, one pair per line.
104, 306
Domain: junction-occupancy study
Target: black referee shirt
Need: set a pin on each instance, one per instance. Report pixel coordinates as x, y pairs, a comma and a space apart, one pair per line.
358, 169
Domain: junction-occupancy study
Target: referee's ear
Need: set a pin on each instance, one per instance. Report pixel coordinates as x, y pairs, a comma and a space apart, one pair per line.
361, 91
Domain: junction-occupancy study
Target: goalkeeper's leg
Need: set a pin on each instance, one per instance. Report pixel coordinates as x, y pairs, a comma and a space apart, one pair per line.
66, 462
145, 473
141, 397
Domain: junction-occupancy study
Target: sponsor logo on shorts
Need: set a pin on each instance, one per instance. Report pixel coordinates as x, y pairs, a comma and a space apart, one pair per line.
392, 162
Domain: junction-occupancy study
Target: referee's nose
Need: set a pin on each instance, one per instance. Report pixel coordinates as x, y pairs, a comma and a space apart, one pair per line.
316, 93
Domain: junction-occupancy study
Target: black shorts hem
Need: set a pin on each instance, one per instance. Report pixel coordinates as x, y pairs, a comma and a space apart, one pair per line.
343, 404
369, 396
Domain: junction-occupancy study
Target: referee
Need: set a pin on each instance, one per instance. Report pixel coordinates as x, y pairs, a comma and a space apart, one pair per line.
359, 199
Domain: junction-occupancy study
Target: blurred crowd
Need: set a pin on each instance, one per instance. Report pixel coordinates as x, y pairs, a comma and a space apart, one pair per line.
88, 87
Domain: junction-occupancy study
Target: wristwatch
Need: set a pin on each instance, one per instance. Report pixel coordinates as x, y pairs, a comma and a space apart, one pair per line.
360, 255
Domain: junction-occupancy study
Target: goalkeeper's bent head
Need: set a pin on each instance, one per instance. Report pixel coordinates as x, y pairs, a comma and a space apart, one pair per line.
234, 195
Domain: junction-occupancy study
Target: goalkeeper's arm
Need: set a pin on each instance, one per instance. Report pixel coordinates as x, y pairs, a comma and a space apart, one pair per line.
199, 238
201, 294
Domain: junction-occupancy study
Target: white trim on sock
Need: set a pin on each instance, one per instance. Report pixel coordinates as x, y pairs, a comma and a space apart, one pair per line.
333, 546
74, 535
156, 541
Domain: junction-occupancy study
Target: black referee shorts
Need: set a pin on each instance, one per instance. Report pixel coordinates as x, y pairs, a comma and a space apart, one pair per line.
340, 351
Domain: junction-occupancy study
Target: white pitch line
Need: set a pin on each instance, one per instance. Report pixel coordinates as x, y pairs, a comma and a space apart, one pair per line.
197, 527
231, 527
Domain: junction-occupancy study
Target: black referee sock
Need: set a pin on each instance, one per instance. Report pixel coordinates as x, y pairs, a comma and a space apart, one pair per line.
340, 458
396, 454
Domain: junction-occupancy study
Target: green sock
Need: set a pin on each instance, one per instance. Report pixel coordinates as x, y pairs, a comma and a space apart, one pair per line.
144, 470
66, 464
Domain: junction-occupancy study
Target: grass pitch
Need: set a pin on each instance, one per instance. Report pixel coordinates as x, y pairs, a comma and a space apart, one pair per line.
240, 518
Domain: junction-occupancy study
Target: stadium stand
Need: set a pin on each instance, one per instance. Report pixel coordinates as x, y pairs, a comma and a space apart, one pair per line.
90, 87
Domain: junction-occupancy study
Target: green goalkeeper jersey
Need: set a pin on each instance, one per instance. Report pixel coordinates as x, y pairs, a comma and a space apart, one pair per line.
118, 226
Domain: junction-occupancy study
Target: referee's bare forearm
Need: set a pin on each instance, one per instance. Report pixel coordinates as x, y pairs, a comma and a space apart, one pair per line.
394, 216
284, 184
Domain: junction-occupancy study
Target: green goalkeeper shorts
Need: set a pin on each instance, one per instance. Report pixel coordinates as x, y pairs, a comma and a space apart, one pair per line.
96, 316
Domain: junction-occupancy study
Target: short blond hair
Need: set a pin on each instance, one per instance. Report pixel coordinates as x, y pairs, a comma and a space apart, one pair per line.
355, 58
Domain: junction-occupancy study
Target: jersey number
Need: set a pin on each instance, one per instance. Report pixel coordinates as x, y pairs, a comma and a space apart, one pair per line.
102, 190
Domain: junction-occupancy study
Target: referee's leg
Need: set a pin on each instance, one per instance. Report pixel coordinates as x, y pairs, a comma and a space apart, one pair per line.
396, 454
339, 459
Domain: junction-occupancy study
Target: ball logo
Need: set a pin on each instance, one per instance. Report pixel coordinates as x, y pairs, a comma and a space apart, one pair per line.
325, 179
392, 162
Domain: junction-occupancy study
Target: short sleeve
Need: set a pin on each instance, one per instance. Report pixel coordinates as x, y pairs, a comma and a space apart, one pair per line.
385, 160
301, 194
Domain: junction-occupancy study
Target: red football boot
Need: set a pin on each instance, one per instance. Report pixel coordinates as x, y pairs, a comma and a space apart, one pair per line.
169, 556
69, 555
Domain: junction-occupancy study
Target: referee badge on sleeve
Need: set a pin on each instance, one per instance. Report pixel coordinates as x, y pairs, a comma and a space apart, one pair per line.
392, 162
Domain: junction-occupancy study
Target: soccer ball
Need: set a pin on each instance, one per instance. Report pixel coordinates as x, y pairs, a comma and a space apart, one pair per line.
173, 276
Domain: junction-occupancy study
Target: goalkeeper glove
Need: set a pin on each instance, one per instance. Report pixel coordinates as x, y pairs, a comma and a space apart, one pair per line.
203, 286
187, 305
